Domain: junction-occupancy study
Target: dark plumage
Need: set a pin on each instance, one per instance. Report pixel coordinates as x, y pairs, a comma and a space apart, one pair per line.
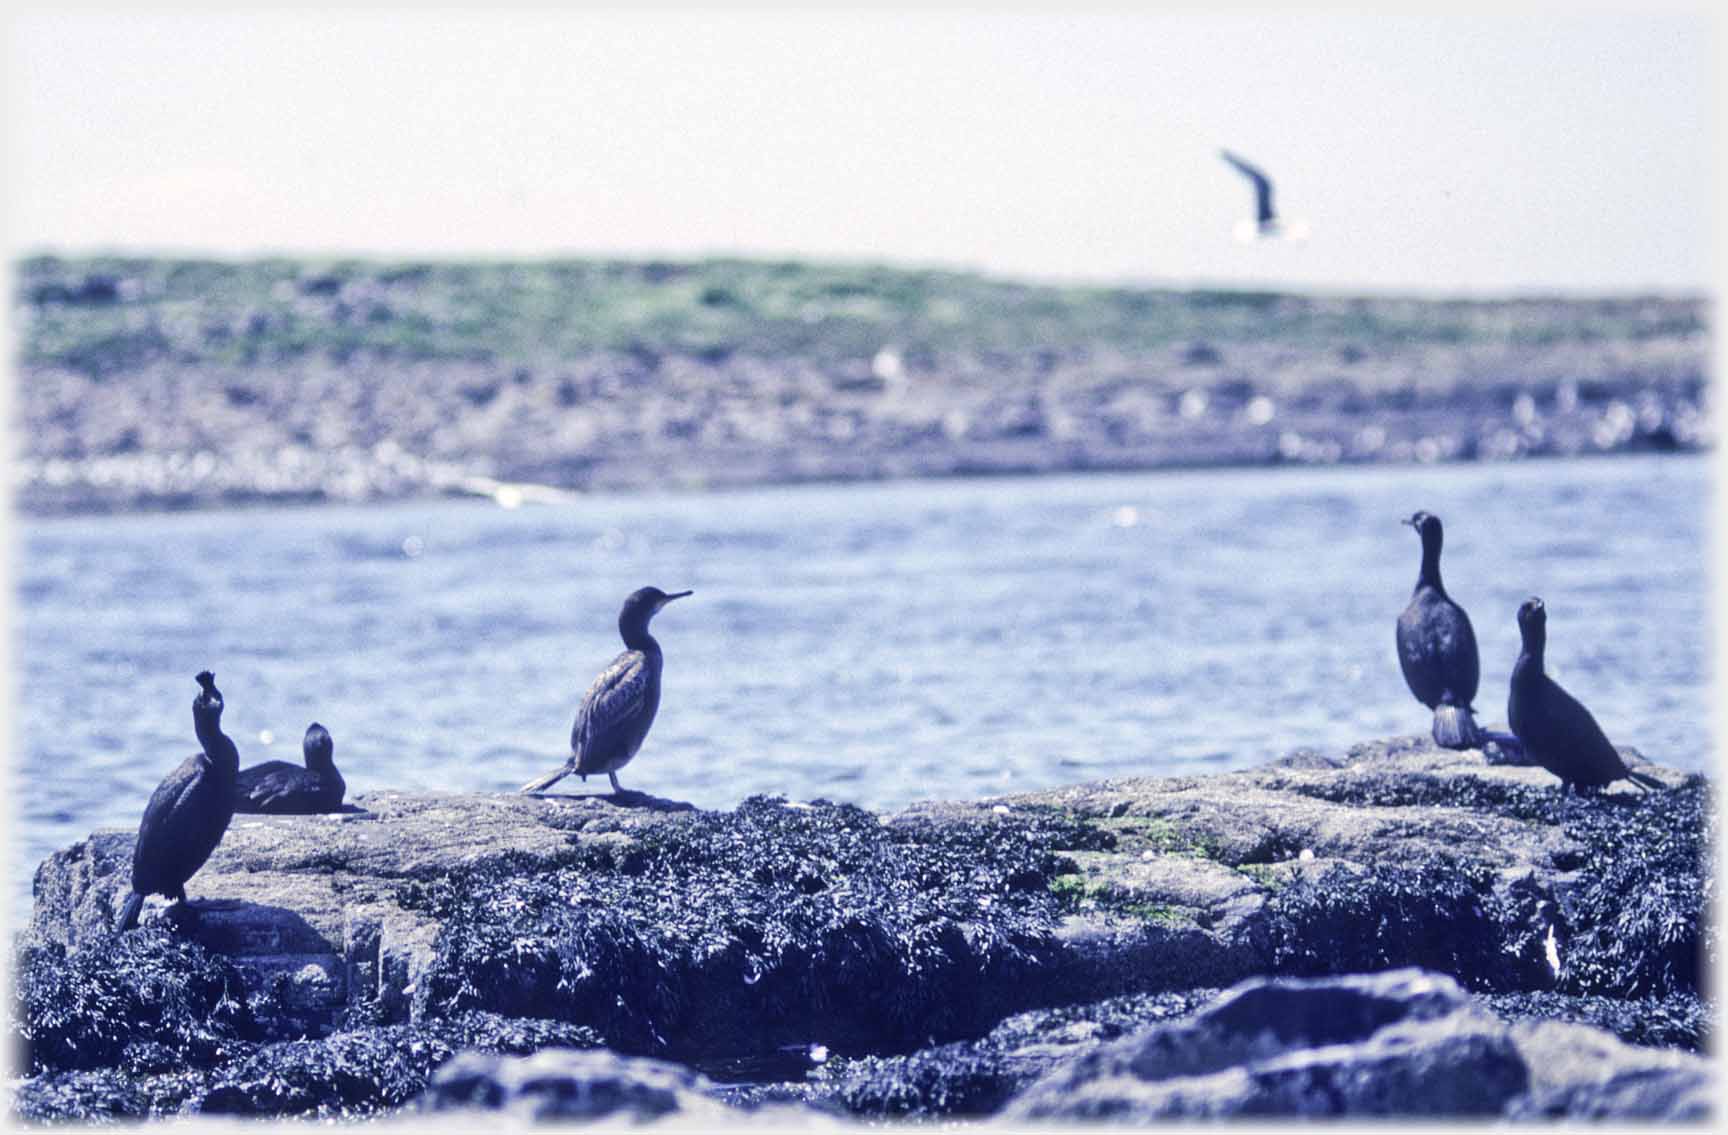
188, 812
284, 788
1437, 647
619, 707
1555, 728
1264, 217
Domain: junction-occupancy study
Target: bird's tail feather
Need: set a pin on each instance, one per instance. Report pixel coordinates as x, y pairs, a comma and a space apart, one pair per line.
129, 913
1645, 781
1455, 727
542, 783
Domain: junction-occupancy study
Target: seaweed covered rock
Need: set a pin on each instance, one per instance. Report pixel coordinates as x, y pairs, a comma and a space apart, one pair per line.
1634, 915
1393, 853
347, 1074
327, 964
306, 906
1678, 1020
976, 1078
143, 1002
1441, 913
776, 924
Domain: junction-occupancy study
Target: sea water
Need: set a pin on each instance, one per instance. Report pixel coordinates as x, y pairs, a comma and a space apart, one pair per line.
872, 643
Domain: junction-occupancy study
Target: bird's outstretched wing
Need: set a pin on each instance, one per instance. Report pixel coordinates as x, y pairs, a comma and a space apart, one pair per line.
619, 694
1262, 185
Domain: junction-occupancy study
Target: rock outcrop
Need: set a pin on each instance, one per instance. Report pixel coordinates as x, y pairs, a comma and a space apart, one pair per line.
1403, 1043
934, 962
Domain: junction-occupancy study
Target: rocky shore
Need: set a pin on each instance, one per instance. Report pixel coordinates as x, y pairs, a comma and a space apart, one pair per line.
1398, 930
174, 384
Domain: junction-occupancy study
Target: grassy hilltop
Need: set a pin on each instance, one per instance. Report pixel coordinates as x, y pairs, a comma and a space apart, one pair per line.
570, 371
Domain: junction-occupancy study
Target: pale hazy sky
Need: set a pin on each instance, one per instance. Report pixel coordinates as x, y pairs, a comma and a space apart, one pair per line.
1468, 153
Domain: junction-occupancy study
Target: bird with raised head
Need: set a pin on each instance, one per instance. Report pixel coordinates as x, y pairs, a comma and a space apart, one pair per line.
620, 705
188, 813
283, 788
1437, 647
1555, 728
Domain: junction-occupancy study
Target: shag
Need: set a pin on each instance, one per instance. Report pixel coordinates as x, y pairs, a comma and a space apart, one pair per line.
619, 707
1437, 647
187, 813
1555, 728
284, 788
1265, 219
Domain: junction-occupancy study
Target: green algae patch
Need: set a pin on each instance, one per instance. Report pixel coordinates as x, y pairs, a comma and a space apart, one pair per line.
1134, 834
1158, 914
1079, 893
1268, 877
777, 923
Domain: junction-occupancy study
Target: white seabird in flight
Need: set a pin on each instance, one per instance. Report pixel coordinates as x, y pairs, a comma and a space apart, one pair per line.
1266, 224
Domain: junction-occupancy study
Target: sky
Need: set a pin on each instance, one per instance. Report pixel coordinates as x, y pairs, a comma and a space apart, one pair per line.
1489, 151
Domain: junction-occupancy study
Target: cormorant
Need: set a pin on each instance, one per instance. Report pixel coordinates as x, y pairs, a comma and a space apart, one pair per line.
1554, 726
187, 813
284, 788
619, 707
1437, 647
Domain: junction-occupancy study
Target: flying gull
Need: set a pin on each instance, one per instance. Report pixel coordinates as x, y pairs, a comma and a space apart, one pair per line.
1266, 223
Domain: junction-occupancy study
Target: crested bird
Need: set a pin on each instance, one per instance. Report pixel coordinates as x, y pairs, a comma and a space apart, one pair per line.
188, 813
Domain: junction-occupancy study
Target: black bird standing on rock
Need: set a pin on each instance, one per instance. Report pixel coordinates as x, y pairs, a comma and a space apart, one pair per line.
1437, 647
188, 812
1556, 729
283, 788
620, 705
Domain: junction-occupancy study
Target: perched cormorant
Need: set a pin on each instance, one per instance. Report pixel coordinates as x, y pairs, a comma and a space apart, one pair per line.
1554, 726
1437, 647
284, 788
619, 707
187, 813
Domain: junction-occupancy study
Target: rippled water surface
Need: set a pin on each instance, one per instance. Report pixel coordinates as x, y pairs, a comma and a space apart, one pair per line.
878, 644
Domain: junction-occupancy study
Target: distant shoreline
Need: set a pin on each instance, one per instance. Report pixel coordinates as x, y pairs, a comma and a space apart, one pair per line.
156, 384
509, 495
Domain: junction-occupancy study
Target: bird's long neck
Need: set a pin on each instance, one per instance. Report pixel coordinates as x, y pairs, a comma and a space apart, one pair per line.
1530, 655
1429, 576
634, 631
217, 745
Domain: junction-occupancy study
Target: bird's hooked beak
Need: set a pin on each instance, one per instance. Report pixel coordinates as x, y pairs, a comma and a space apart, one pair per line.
1408, 521
674, 595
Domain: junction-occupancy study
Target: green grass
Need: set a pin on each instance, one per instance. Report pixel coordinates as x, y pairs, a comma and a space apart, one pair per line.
104, 315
